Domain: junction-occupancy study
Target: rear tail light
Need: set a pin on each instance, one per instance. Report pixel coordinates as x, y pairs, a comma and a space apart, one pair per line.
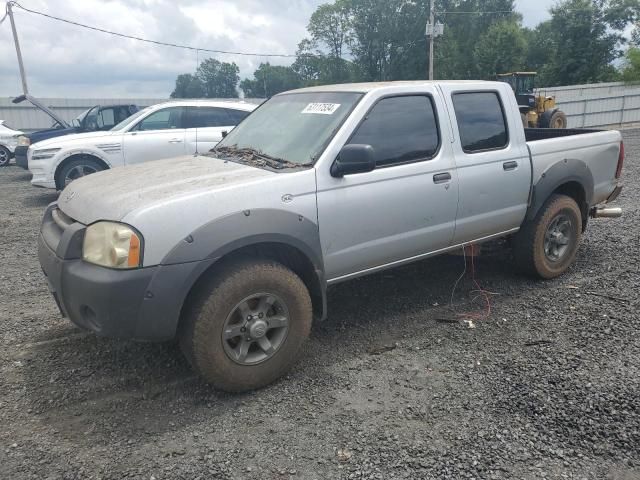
620, 161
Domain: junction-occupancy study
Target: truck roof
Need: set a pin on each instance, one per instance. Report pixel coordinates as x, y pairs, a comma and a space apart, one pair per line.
370, 86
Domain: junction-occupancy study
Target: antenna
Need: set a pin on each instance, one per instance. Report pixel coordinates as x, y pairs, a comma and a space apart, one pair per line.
195, 109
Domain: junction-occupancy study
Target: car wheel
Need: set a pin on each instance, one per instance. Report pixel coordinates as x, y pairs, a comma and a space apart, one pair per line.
245, 326
77, 168
5, 156
547, 246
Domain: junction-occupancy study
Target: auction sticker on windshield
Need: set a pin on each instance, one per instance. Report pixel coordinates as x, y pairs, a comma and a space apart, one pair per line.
321, 108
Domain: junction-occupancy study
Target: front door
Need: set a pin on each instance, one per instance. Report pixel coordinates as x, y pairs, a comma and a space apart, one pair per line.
161, 134
404, 208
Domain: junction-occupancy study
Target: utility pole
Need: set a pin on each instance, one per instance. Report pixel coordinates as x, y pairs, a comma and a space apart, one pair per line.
432, 19
433, 30
25, 89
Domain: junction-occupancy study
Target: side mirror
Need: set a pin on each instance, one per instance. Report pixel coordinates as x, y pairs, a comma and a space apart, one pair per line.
224, 133
355, 158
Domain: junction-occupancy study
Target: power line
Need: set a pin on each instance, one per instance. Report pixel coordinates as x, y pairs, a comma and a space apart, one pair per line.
475, 13
157, 42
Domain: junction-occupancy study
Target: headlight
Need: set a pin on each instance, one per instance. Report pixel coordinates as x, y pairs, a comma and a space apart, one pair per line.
44, 153
112, 245
24, 141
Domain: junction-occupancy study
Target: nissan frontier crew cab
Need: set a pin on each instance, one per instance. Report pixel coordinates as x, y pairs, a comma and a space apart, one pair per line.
232, 251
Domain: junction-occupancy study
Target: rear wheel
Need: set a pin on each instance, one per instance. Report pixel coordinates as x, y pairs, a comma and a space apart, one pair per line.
5, 156
75, 169
245, 327
547, 246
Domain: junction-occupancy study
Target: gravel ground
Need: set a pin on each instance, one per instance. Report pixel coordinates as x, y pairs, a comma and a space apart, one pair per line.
548, 386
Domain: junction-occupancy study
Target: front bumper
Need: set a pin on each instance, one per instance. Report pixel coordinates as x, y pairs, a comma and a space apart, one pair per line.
141, 304
20, 155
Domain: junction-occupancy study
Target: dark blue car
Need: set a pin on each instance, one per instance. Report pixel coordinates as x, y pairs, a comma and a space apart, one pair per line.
100, 117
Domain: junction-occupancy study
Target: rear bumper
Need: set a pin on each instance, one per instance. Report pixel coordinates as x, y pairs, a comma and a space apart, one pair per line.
21, 157
615, 194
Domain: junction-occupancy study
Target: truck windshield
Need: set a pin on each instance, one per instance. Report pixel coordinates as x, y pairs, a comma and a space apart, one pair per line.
88, 118
292, 129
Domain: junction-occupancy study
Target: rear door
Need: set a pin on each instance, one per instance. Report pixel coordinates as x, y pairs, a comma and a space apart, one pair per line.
492, 161
161, 134
404, 208
205, 126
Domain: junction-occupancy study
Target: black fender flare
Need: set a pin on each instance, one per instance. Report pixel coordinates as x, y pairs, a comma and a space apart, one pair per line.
567, 171
202, 248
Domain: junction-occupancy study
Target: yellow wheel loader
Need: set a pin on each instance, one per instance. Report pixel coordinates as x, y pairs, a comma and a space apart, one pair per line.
537, 111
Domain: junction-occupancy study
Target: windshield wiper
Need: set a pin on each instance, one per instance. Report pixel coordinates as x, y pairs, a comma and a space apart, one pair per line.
254, 157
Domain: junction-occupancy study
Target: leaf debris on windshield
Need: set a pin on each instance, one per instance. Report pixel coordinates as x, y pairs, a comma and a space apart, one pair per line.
253, 157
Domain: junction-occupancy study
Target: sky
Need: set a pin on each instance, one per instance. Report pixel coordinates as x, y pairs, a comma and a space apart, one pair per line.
66, 61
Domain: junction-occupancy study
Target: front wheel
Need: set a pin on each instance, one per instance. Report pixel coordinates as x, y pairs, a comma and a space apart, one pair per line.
5, 156
553, 119
547, 245
246, 325
75, 169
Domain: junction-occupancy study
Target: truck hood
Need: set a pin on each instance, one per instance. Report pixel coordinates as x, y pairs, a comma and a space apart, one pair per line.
83, 137
112, 194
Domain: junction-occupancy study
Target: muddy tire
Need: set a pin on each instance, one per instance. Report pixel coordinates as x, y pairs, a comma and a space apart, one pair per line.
245, 326
547, 246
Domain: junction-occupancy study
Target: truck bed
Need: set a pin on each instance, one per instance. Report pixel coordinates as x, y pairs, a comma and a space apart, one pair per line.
535, 134
597, 149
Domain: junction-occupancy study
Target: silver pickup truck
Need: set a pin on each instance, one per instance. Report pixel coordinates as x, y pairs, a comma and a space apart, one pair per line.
232, 251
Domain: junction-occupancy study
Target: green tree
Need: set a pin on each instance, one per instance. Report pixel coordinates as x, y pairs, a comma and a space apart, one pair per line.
330, 30
456, 52
631, 66
501, 49
585, 37
188, 86
270, 79
317, 68
219, 79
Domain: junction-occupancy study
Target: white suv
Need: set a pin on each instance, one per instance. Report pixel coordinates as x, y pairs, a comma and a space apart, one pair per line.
161, 131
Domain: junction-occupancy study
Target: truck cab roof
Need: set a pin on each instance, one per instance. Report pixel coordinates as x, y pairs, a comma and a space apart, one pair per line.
367, 87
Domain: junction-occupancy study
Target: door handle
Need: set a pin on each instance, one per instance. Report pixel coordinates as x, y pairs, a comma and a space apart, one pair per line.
510, 165
175, 140
441, 177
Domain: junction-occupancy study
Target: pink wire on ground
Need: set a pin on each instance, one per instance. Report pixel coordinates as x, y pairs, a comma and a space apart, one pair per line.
486, 312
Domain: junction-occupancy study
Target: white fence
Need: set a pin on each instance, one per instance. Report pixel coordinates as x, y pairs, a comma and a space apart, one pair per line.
24, 116
598, 105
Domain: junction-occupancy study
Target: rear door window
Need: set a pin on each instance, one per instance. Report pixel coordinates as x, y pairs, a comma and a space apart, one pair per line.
481, 121
236, 115
400, 130
202, 117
